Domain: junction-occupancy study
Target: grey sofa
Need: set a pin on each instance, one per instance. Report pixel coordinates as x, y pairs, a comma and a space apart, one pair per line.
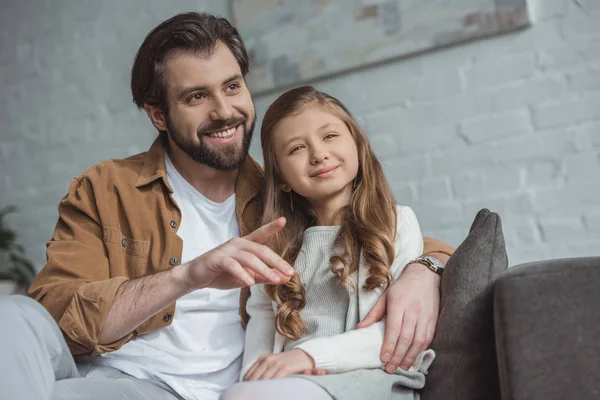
531, 332
547, 329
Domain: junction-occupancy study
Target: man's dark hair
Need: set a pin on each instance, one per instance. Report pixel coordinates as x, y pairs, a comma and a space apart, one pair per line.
195, 32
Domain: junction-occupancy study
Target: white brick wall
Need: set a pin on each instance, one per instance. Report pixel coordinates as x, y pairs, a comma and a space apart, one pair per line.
65, 102
511, 123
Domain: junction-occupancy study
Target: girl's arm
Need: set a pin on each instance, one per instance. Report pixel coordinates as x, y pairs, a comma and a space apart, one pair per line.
260, 331
356, 349
361, 348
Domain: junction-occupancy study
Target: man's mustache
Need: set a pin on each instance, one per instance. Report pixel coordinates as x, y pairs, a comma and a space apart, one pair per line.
216, 126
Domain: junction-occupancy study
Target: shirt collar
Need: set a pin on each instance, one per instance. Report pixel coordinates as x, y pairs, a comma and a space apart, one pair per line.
248, 184
154, 163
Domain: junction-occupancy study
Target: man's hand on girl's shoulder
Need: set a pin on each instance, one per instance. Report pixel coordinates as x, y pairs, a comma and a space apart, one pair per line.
412, 307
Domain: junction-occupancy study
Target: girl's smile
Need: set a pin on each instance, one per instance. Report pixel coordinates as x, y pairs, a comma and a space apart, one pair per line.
324, 173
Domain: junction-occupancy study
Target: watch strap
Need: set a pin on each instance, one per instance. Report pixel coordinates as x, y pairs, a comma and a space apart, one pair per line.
430, 262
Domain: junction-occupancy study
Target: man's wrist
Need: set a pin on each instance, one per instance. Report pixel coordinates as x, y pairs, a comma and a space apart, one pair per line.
443, 257
180, 277
418, 267
421, 273
430, 262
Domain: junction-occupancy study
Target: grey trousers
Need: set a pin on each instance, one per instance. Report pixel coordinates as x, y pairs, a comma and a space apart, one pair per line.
276, 389
36, 364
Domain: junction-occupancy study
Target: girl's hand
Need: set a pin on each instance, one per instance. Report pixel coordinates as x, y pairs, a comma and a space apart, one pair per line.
316, 372
280, 365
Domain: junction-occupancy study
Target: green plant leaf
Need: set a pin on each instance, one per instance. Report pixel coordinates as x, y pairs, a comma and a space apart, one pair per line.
14, 265
7, 239
7, 276
8, 210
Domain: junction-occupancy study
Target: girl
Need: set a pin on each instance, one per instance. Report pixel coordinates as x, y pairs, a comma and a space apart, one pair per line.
347, 240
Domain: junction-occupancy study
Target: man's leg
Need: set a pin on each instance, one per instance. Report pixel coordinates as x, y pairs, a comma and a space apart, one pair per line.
36, 364
277, 389
33, 352
109, 383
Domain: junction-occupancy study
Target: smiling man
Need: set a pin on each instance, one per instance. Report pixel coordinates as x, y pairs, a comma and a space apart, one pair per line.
150, 260
222, 140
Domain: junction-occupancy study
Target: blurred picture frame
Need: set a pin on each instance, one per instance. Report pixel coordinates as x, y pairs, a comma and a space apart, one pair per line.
296, 41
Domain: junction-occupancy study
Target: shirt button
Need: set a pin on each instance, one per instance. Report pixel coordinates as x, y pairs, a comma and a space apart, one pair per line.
173, 260
173, 224
124, 242
167, 317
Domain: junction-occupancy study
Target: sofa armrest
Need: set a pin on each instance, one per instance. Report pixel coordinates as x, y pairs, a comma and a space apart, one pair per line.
547, 325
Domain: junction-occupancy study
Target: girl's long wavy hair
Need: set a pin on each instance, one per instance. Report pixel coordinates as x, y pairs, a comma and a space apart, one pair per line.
368, 223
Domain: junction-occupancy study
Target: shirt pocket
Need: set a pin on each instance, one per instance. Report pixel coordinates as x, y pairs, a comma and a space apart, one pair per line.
130, 255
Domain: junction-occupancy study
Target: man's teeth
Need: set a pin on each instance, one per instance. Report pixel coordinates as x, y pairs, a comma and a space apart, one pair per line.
223, 134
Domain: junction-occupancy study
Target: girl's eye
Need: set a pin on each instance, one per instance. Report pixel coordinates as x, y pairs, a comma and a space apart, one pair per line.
330, 136
295, 149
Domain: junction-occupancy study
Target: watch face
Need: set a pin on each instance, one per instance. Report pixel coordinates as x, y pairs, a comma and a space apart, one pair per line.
435, 262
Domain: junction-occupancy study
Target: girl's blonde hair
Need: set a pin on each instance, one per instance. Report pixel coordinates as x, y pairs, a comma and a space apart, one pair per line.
368, 223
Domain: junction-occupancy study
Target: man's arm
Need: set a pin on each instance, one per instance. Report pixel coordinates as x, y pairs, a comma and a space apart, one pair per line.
435, 248
76, 286
412, 305
137, 300
236, 263
98, 312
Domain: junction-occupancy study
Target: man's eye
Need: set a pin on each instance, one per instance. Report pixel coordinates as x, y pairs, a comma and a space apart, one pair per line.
197, 96
233, 86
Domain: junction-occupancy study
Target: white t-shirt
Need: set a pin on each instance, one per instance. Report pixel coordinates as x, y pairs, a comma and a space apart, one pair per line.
199, 354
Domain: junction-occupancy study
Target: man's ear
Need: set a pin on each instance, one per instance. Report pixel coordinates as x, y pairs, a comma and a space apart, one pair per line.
156, 116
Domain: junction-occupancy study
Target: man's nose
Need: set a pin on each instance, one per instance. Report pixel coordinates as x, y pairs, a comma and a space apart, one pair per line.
221, 109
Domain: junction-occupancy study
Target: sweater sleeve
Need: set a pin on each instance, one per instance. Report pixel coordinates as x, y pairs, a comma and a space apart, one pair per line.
260, 331
360, 348
351, 350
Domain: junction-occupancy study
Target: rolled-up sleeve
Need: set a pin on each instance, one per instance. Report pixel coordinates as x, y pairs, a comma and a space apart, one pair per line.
431, 245
77, 285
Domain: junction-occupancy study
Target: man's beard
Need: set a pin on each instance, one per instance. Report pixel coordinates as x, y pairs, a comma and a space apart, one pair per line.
229, 158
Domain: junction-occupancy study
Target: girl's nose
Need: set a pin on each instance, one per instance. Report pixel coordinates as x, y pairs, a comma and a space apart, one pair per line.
318, 156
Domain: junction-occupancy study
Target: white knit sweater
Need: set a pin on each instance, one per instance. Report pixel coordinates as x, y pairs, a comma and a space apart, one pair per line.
350, 350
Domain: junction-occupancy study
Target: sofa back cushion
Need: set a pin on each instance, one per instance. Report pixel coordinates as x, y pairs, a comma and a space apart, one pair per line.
465, 366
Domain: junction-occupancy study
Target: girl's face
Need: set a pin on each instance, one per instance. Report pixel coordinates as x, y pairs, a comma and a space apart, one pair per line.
316, 155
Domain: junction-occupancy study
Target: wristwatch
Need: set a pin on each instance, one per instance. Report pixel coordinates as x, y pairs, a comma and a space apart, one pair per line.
430, 262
